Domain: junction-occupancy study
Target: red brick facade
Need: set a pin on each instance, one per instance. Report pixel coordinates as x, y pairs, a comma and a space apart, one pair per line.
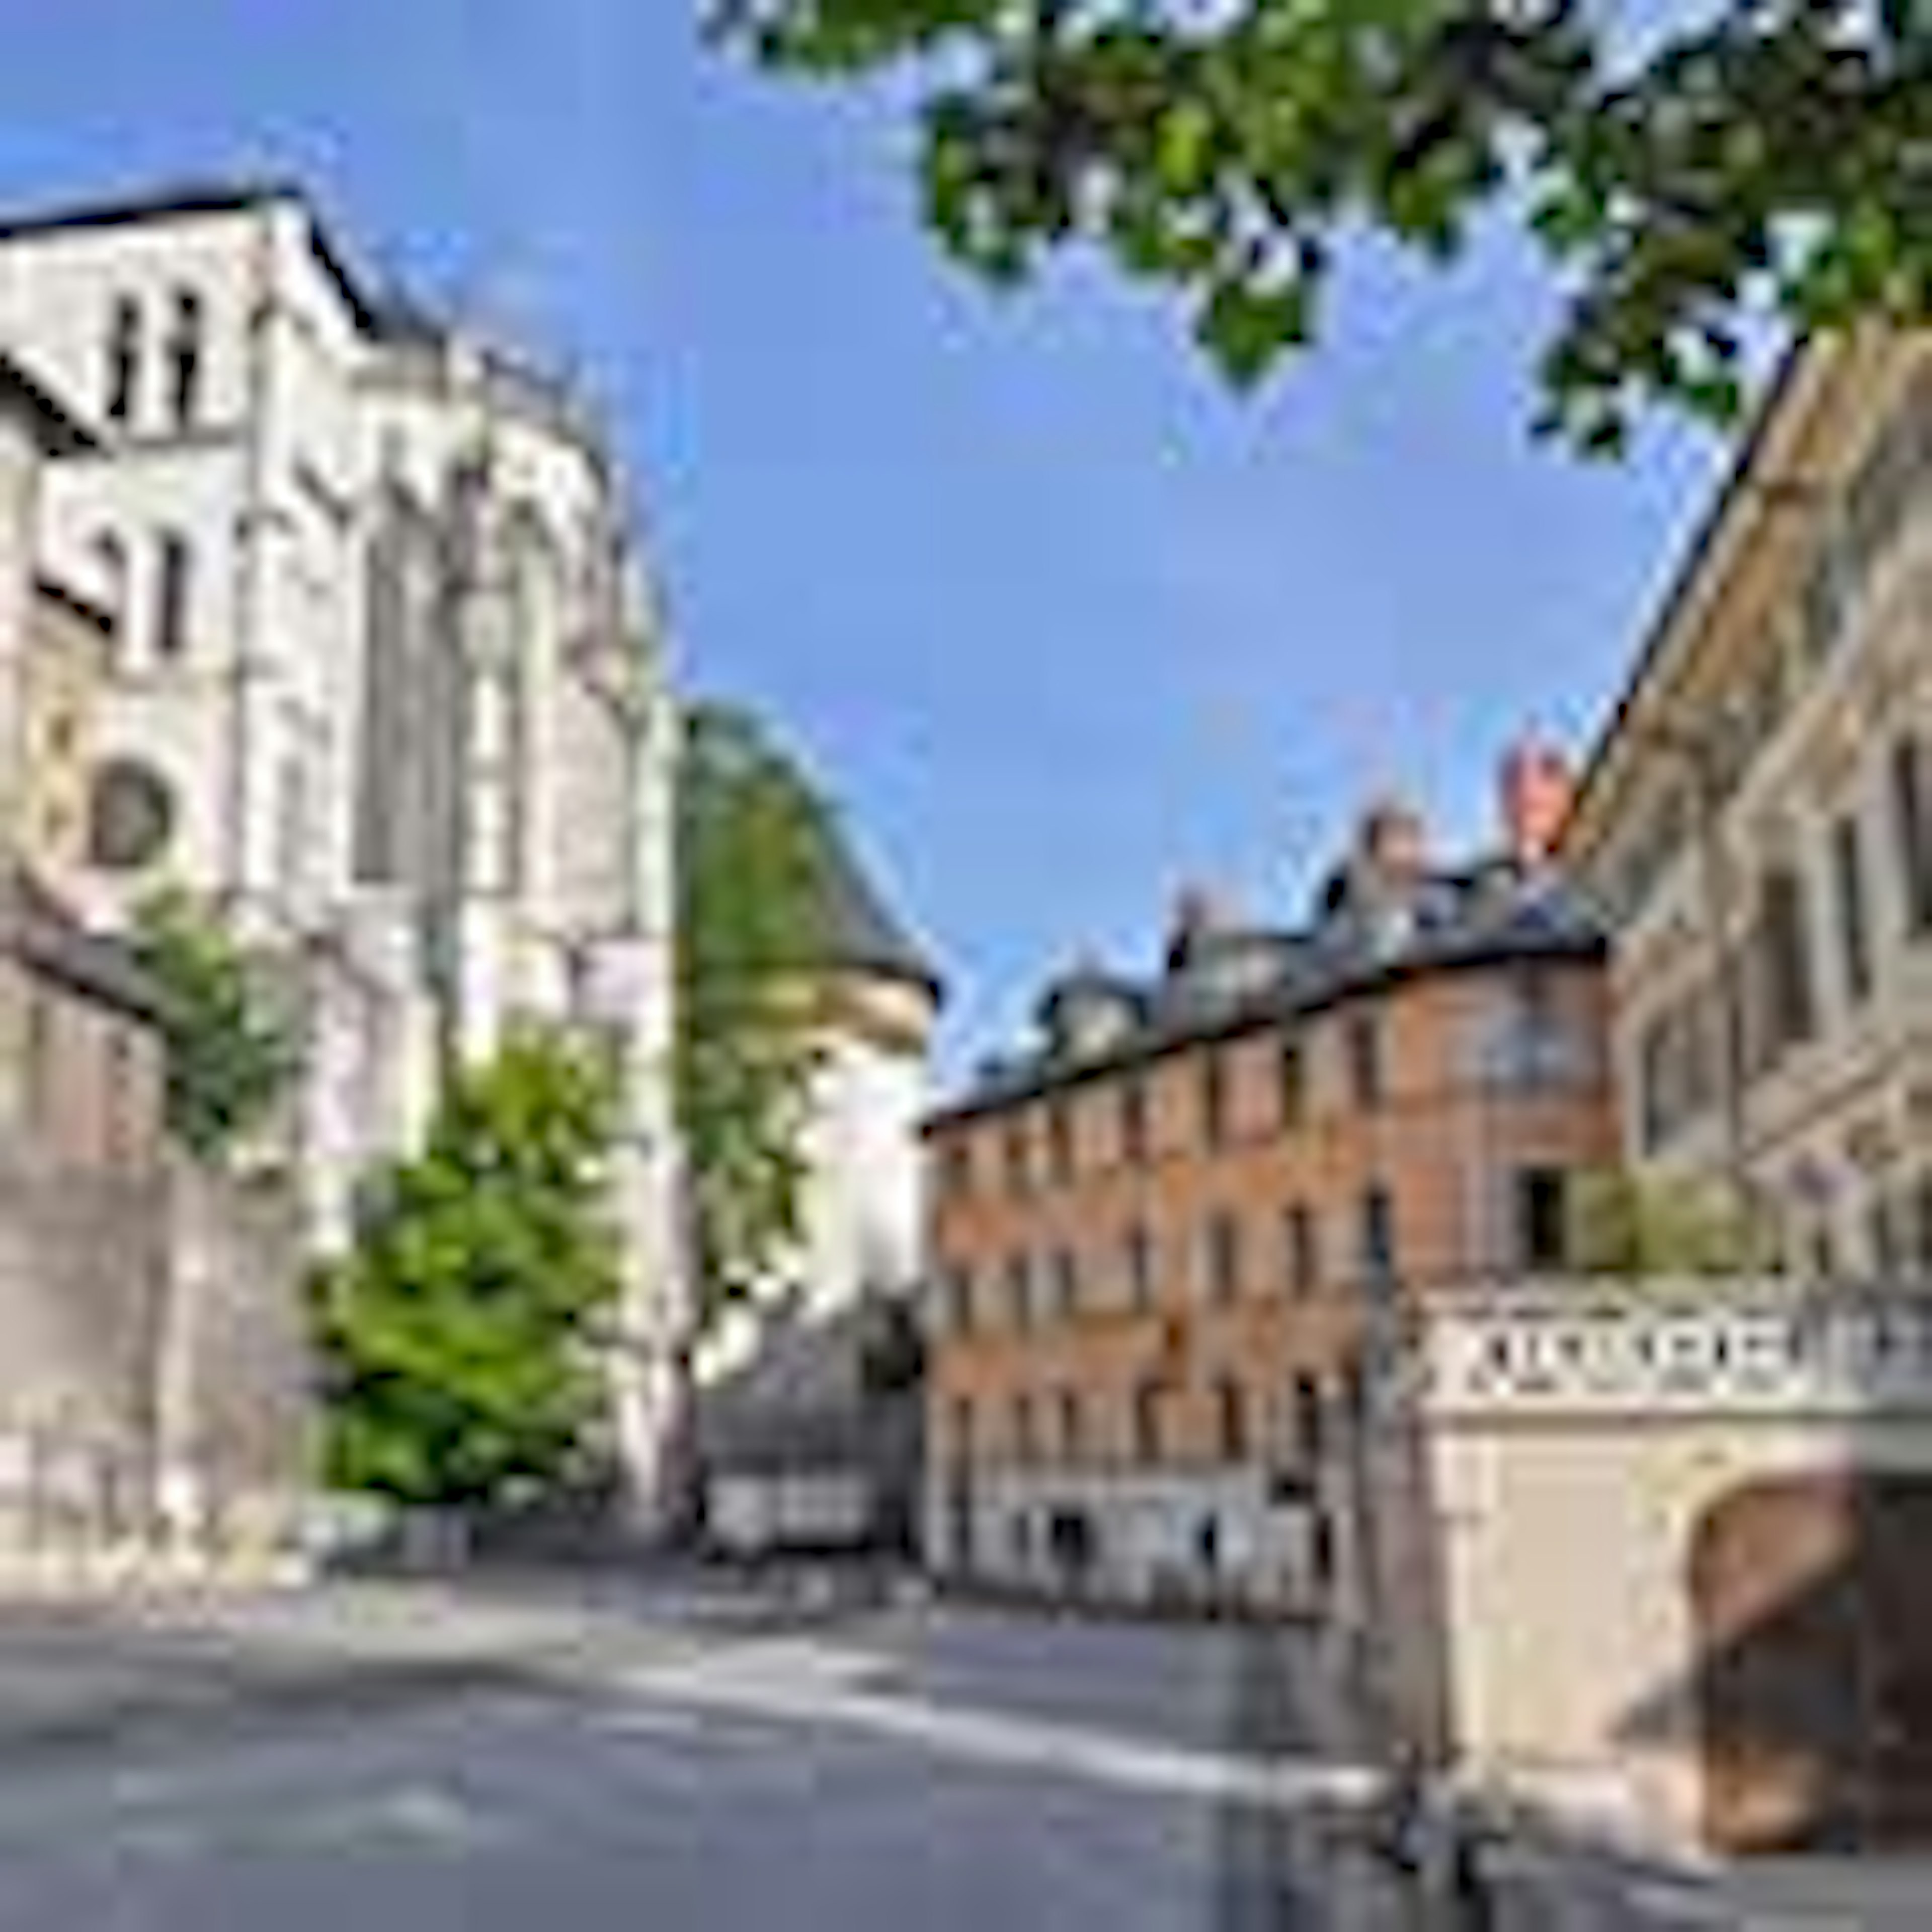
1154, 1260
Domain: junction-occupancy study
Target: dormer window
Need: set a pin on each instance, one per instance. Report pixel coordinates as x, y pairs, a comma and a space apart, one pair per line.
185, 358
124, 359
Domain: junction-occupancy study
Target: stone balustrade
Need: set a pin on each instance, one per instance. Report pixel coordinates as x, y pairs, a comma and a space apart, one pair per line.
1769, 1346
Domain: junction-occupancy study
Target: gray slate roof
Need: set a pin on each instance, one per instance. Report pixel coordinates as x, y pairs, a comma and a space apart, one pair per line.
60, 432
1490, 914
862, 933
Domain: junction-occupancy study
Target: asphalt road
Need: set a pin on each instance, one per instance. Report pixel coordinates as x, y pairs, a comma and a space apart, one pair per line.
916, 1771
933, 1769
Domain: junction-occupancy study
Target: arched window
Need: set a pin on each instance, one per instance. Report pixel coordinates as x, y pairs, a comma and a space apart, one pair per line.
130, 818
410, 709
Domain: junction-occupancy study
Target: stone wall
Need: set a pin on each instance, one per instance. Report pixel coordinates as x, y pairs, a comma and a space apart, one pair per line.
154, 1387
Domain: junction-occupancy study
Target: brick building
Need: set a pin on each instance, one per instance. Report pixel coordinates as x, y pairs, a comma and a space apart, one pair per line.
1160, 1236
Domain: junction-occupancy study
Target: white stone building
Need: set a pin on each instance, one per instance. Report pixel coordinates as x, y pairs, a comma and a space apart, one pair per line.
390, 681
802, 1444
1756, 823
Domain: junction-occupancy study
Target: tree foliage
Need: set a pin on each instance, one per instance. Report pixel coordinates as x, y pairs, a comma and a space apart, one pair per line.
232, 1051
461, 1335
754, 841
1686, 169
1636, 1226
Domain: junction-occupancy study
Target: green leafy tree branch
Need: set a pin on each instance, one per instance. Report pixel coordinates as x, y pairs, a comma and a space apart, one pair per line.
1760, 160
233, 1052
462, 1336
753, 870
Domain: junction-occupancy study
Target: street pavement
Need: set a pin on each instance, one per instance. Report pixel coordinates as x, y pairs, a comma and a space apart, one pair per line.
899, 1768
454, 1761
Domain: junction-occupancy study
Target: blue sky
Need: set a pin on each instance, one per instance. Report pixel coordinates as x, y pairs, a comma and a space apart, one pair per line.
1060, 622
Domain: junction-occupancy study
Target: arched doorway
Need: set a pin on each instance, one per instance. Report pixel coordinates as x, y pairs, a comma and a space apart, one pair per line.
1811, 1598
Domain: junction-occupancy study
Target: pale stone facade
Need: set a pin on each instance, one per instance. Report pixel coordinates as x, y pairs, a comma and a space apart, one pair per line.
388, 681
1582, 1439
798, 1449
1757, 822
154, 1380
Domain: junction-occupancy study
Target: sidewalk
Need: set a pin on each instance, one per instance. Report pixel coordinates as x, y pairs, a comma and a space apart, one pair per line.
1873, 1894
1546, 1878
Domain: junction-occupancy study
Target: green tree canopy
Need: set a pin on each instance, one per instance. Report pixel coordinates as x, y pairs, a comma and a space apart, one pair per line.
1687, 168
232, 1051
753, 865
461, 1335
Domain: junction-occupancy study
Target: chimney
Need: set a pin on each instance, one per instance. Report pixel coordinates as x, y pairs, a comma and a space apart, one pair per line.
1393, 844
1537, 789
1198, 913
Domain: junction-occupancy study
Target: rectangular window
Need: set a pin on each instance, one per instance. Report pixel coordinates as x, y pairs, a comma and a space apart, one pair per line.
1790, 1009
1019, 1292
1292, 1071
1066, 1284
956, 1169
1912, 831
960, 1435
958, 1316
171, 596
1140, 1269
1134, 1122
387, 705
1304, 1260
1023, 1446
1019, 1163
1307, 1420
1364, 1039
1536, 1047
1379, 1236
1060, 1142
1231, 1416
185, 358
1676, 1072
124, 359
1147, 1444
1072, 1431
1542, 1220
1822, 605
1882, 1242
1213, 1099
1848, 872
1224, 1257
1655, 1113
